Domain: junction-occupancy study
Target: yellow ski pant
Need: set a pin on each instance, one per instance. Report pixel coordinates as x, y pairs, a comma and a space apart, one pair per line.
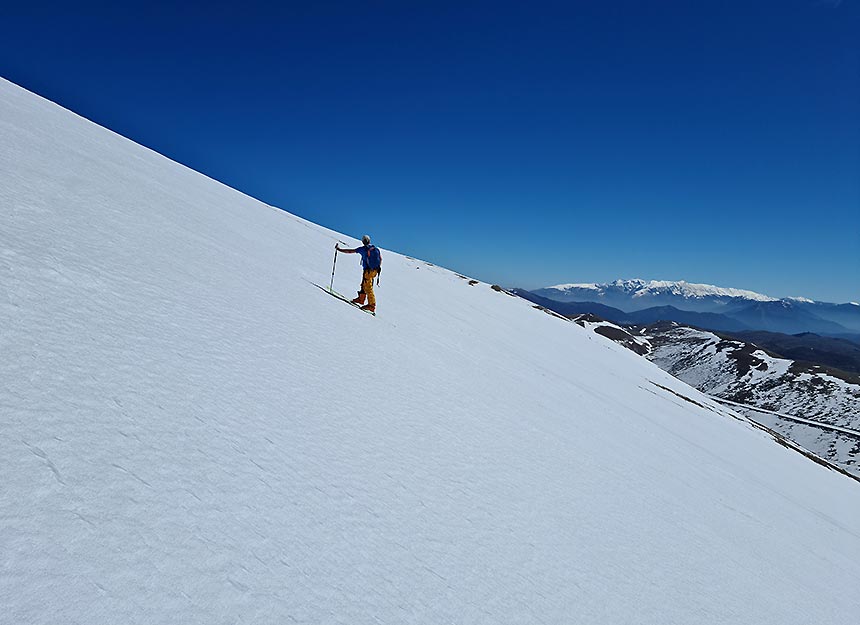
367, 285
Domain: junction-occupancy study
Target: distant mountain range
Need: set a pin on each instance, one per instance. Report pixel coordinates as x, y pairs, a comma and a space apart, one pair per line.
705, 306
630, 295
710, 321
838, 351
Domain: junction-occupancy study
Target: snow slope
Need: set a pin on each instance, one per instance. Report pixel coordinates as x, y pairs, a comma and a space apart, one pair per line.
192, 432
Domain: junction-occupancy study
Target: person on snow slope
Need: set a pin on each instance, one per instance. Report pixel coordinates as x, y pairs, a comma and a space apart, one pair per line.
371, 264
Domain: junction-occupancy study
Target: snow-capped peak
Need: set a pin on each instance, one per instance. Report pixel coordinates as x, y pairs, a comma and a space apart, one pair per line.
693, 290
638, 287
567, 287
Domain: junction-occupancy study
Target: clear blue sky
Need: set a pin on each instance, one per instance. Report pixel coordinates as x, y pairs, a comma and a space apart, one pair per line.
527, 144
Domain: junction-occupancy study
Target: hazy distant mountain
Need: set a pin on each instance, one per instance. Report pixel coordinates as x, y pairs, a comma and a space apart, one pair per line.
783, 316
736, 309
710, 321
637, 294
569, 309
847, 315
854, 338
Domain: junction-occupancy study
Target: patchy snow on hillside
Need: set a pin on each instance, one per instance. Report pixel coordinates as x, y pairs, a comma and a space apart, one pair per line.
741, 372
616, 333
193, 432
767, 367
838, 447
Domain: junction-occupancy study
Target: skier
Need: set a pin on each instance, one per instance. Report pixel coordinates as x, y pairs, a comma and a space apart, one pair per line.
371, 264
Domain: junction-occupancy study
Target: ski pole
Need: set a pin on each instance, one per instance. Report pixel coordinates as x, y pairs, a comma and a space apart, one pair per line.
333, 265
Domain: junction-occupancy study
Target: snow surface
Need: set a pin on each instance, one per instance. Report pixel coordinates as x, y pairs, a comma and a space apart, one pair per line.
192, 432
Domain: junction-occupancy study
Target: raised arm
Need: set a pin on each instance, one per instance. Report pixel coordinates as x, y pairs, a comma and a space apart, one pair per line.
345, 251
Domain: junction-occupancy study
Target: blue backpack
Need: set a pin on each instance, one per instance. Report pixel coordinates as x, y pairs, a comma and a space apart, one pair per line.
374, 258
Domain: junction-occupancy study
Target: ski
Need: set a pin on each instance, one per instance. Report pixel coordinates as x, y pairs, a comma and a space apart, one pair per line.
344, 298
